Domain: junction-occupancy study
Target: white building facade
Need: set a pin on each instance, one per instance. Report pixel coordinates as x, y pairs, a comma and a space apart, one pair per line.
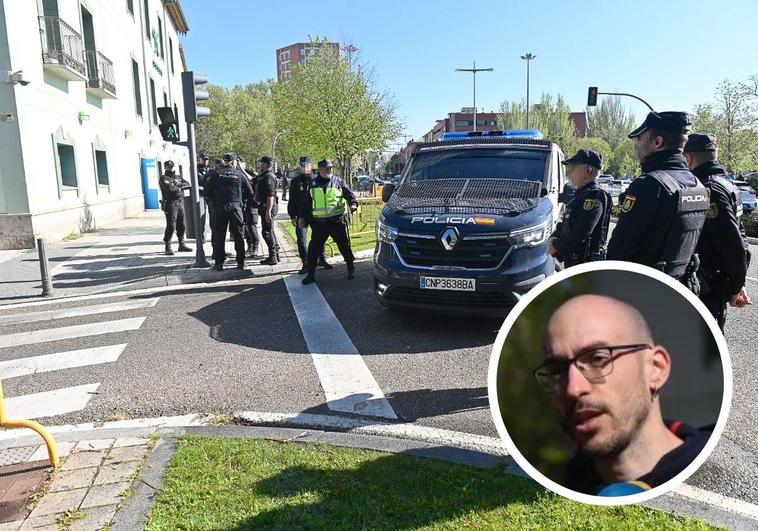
79, 143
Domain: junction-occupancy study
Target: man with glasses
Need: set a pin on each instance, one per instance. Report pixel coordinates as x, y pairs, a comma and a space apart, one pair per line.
604, 374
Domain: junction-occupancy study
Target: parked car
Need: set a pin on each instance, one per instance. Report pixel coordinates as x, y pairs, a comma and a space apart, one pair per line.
747, 196
604, 180
363, 183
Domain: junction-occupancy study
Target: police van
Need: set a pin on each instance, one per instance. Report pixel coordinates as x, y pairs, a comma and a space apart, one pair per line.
465, 229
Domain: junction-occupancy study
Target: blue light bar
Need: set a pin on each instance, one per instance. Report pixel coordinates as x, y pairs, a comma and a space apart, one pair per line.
532, 134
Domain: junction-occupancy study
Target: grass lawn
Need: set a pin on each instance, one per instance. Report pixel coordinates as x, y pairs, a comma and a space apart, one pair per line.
259, 484
362, 229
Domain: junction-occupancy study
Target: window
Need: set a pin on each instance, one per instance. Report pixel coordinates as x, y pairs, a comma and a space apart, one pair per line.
67, 163
130, 7
137, 91
152, 100
171, 53
464, 123
101, 167
160, 39
147, 21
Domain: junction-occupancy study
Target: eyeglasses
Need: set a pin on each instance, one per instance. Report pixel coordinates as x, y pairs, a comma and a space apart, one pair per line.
595, 364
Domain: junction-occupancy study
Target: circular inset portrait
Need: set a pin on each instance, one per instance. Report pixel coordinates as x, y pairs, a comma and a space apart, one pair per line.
610, 383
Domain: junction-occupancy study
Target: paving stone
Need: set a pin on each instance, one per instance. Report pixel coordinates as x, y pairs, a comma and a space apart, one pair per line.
116, 472
41, 523
73, 479
11, 526
130, 441
128, 453
64, 449
109, 494
59, 502
95, 444
97, 517
83, 460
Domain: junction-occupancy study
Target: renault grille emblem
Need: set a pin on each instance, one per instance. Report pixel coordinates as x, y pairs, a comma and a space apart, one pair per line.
449, 238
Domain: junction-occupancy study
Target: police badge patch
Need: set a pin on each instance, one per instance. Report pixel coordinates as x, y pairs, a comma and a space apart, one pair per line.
628, 203
588, 204
712, 212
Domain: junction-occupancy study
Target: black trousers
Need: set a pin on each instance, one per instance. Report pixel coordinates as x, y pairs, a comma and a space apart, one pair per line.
229, 215
174, 220
302, 244
210, 213
251, 227
715, 301
269, 236
322, 229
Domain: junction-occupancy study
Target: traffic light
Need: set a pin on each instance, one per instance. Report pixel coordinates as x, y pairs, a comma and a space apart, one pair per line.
592, 97
193, 90
168, 127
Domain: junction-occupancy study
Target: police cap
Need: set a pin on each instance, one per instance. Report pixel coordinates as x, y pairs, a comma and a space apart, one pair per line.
325, 163
218, 161
305, 160
204, 156
669, 121
168, 164
266, 160
230, 157
700, 142
590, 157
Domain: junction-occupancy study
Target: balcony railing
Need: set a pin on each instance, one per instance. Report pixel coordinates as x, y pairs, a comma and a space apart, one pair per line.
62, 45
100, 72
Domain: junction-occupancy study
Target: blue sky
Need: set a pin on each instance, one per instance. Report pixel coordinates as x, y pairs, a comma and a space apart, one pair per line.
664, 51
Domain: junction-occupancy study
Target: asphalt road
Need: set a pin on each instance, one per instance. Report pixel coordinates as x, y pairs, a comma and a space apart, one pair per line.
221, 349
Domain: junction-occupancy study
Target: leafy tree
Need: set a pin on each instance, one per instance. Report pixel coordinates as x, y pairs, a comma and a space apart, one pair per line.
597, 144
623, 158
611, 121
737, 125
552, 118
330, 109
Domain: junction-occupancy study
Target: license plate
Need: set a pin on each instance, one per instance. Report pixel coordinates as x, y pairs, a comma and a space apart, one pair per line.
452, 284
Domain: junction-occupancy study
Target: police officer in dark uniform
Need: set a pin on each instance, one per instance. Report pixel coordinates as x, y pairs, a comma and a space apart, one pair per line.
298, 188
250, 211
324, 209
581, 235
228, 188
203, 168
172, 190
663, 211
285, 186
723, 248
268, 207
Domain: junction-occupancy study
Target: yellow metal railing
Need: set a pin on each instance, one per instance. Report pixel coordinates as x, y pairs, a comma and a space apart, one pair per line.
52, 449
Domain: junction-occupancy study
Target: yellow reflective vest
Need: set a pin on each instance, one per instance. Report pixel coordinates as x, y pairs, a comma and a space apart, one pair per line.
327, 202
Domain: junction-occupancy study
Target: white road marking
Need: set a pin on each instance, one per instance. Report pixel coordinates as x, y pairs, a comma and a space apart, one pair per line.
70, 332
49, 403
60, 361
348, 383
753, 279
719, 500
78, 311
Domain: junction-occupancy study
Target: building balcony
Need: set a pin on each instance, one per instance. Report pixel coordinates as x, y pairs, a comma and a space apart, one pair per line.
100, 79
62, 49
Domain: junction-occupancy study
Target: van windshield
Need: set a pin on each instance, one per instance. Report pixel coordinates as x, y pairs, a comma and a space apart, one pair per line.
486, 163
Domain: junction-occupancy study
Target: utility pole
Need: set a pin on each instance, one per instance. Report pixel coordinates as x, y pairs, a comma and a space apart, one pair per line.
474, 71
528, 58
273, 147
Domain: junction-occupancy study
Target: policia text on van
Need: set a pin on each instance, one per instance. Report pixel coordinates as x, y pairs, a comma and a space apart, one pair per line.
465, 229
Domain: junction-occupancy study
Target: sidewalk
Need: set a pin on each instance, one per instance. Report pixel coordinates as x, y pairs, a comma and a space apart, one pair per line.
122, 256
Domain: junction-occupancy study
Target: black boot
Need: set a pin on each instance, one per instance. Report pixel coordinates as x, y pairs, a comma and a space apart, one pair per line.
323, 263
304, 269
183, 248
252, 252
350, 271
309, 279
168, 250
271, 260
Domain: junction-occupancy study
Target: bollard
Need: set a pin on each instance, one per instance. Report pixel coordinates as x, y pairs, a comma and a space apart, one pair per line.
44, 269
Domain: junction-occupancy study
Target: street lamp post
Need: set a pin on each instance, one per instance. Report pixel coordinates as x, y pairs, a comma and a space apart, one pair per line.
474, 71
528, 58
273, 147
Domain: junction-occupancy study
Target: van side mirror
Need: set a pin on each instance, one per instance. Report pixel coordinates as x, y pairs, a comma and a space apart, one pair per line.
387, 191
566, 195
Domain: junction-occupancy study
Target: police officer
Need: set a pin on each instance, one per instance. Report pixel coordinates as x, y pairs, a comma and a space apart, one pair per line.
285, 186
228, 188
581, 235
723, 248
250, 211
663, 211
172, 189
298, 188
268, 207
324, 209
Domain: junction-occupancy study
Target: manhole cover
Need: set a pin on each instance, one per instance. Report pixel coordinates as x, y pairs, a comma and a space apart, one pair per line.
11, 456
17, 484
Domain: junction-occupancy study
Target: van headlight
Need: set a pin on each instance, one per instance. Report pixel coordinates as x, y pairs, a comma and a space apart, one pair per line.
532, 236
385, 233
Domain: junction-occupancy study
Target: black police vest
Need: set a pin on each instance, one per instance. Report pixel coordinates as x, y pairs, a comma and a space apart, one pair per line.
228, 187
687, 219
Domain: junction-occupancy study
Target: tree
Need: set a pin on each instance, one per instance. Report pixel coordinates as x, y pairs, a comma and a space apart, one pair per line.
623, 159
736, 125
552, 119
610, 121
597, 144
332, 110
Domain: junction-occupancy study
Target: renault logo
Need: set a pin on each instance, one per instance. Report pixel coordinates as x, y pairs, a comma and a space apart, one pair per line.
449, 238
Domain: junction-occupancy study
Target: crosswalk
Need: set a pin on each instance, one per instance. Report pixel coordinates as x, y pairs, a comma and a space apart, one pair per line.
15, 339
